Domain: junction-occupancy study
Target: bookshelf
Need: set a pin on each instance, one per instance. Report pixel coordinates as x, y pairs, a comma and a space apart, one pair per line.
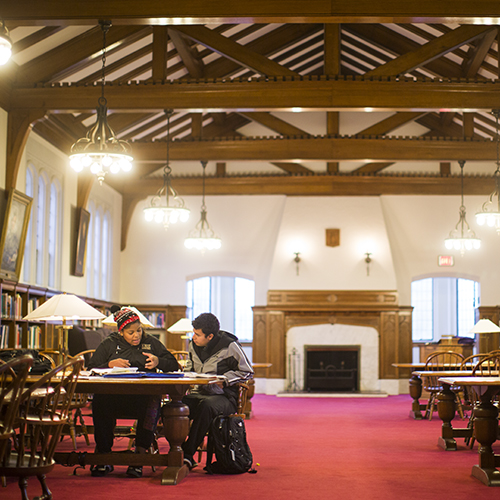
19, 299
163, 316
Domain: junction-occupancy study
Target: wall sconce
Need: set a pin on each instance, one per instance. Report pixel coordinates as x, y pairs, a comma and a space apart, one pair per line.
297, 261
368, 259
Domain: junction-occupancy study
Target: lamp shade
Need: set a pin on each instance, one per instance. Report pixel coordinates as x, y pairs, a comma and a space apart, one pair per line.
64, 307
110, 320
485, 326
184, 325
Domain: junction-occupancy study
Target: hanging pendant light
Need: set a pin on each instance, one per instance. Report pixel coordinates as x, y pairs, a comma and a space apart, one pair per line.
203, 237
100, 149
5, 44
462, 238
172, 209
490, 211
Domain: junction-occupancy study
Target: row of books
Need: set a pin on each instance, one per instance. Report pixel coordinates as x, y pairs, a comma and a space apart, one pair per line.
157, 318
11, 305
4, 336
34, 337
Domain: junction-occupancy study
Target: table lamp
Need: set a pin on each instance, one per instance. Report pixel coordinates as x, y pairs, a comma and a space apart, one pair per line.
64, 307
182, 327
110, 320
483, 327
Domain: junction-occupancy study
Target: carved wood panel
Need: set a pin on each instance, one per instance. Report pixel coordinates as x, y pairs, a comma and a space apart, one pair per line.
359, 308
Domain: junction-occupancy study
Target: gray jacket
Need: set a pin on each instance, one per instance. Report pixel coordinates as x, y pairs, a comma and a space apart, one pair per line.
223, 355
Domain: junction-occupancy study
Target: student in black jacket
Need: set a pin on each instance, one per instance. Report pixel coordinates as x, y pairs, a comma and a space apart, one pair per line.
128, 347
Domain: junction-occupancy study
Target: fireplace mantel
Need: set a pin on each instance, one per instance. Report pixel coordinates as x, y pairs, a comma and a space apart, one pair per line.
377, 310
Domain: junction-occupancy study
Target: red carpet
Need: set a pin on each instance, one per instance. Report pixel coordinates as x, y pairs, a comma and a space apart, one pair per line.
308, 448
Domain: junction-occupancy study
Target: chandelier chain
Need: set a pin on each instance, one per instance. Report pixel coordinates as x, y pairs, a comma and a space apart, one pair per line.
105, 25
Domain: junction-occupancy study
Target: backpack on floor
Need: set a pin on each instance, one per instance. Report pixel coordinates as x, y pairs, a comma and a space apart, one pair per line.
227, 439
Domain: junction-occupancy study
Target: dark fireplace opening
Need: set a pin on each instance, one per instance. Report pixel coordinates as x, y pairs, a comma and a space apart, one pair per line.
333, 369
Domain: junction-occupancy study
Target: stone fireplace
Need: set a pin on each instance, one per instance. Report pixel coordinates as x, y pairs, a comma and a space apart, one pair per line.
364, 340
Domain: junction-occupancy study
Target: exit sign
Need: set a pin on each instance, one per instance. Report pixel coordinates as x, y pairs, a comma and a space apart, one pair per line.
446, 261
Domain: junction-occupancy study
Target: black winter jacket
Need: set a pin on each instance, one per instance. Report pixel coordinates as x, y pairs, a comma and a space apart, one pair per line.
115, 346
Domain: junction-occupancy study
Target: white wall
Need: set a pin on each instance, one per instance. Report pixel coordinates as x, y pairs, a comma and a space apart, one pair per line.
362, 227
155, 263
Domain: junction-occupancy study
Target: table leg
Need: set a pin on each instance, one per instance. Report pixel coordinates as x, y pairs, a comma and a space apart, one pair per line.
175, 416
486, 429
416, 392
446, 411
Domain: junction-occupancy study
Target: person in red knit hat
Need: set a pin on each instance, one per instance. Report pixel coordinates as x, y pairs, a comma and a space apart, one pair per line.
130, 346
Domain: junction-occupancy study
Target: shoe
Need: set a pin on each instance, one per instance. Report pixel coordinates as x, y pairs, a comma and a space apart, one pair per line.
189, 461
134, 471
100, 470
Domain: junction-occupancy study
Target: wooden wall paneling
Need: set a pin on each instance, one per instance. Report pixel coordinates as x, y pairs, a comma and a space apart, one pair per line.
405, 340
174, 341
489, 341
276, 344
319, 299
259, 345
388, 344
289, 308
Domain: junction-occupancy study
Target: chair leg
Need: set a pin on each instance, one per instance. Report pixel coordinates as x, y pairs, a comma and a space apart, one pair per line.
23, 484
47, 494
431, 404
85, 431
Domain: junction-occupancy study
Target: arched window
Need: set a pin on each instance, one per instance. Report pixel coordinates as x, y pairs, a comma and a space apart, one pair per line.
98, 259
97, 252
106, 246
53, 232
29, 190
42, 263
90, 250
443, 306
230, 298
40, 230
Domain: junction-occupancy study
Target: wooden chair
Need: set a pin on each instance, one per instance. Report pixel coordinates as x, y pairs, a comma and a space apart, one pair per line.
78, 403
181, 357
13, 375
487, 366
43, 411
436, 362
468, 364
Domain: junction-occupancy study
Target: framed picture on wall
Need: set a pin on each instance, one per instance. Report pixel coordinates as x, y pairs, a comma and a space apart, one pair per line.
15, 227
82, 225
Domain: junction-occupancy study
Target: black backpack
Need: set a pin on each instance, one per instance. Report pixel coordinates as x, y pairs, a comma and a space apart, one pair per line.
227, 438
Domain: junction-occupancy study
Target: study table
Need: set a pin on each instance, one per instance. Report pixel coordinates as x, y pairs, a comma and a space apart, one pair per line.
485, 421
175, 415
415, 385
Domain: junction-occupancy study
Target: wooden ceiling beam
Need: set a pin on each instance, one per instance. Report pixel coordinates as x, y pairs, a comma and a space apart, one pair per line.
478, 53
202, 12
275, 124
117, 65
316, 185
432, 50
37, 36
266, 45
391, 123
240, 54
318, 149
83, 47
189, 54
267, 94
399, 45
